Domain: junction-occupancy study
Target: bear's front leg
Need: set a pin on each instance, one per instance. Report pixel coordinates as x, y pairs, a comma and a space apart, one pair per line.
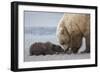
87, 42
76, 42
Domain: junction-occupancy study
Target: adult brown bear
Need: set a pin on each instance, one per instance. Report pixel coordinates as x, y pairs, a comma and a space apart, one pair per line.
71, 29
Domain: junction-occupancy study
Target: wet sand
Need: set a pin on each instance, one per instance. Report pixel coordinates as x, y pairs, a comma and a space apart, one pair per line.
56, 57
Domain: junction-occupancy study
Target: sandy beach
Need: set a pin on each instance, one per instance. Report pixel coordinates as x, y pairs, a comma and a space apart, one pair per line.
56, 57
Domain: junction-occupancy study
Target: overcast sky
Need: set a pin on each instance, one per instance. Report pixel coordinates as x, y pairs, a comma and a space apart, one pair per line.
36, 19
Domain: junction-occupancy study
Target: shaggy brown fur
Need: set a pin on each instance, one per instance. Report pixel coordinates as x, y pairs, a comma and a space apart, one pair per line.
71, 29
45, 49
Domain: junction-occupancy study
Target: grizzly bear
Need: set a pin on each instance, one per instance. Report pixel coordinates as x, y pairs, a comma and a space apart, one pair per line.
47, 48
41, 49
71, 29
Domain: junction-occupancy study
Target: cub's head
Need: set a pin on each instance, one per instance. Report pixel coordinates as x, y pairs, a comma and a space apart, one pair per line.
63, 37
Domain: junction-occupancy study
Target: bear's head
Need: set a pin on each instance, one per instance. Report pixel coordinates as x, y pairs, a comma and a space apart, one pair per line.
63, 37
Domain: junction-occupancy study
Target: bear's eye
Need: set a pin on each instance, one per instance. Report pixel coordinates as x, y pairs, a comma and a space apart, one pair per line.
62, 43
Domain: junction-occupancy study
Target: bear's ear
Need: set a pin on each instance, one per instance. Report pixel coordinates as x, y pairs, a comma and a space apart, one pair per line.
62, 28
